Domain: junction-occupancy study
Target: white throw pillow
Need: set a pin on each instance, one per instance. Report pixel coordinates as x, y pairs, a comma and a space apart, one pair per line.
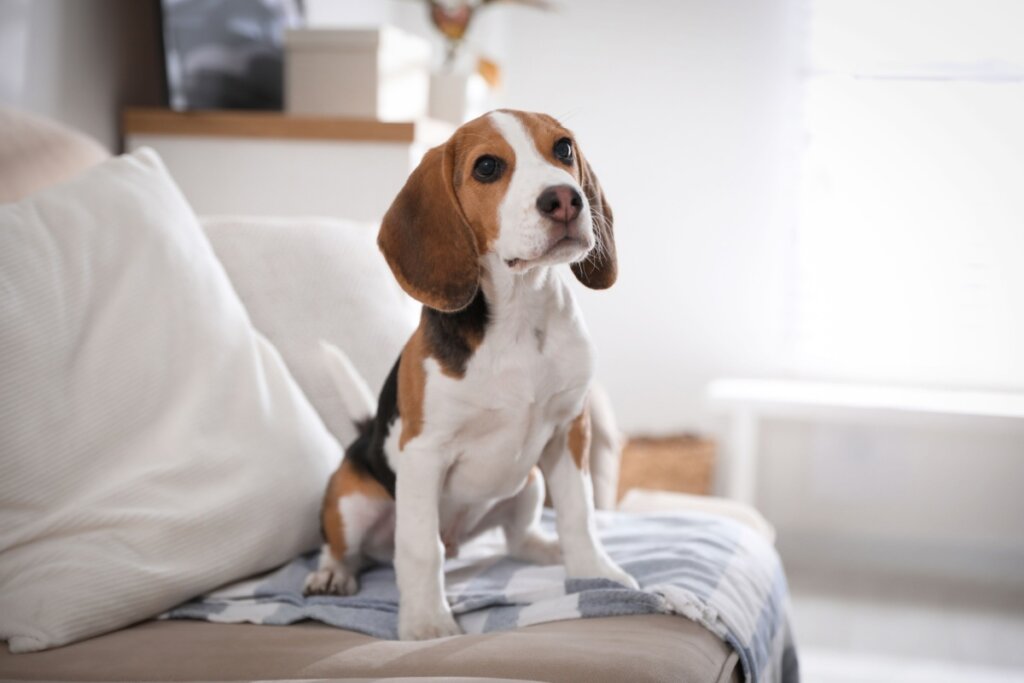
152, 444
307, 279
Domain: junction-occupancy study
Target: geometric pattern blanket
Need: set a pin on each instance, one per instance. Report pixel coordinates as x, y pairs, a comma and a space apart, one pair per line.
704, 567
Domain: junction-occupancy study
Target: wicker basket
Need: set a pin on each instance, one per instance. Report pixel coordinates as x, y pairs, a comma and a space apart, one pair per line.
684, 463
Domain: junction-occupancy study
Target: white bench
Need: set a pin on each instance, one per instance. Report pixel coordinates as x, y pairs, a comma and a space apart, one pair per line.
747, 401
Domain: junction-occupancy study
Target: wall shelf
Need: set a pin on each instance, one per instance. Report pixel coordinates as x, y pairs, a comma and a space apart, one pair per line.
280, 126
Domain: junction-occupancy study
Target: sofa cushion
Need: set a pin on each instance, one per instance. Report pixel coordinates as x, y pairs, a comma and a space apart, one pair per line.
154, 444
307, 279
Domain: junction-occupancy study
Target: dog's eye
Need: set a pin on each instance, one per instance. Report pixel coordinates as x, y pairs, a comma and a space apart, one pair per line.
563, 150
487, 169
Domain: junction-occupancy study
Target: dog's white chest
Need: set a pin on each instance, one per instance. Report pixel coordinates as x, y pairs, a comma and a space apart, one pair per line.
528, 378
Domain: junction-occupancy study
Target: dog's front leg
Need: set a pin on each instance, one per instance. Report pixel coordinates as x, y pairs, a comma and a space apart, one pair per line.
423, 611
568, 480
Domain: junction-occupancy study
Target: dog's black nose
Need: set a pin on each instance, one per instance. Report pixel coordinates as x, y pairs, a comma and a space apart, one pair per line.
561, 203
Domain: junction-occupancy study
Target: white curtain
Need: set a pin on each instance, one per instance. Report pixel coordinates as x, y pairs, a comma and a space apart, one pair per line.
910, 245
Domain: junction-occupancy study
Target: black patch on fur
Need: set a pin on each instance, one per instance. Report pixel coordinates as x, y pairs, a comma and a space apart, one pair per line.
367, 451
450, 337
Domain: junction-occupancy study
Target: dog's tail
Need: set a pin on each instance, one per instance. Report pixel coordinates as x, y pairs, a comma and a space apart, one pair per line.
351, 386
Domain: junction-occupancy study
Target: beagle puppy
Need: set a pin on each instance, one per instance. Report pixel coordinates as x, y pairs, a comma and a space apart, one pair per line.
492, 385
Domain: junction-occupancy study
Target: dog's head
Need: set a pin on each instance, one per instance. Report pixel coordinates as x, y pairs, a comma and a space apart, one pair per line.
509, 184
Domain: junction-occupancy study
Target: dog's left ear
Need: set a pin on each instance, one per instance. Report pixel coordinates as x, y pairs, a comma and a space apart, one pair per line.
599, 268
426, 239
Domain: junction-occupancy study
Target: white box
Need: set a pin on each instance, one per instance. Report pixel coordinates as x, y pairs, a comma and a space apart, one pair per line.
376, 73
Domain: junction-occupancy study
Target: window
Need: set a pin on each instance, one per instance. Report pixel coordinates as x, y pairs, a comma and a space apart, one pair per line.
910, 246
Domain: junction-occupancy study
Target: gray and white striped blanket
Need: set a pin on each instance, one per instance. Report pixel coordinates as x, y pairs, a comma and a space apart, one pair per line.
707, 568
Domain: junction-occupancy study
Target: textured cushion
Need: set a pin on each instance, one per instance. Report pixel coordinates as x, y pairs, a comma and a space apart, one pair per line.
637, 649
154, 445
307, 279
35, 154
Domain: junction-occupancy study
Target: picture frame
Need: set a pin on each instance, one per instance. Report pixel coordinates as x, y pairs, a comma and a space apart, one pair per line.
226, 54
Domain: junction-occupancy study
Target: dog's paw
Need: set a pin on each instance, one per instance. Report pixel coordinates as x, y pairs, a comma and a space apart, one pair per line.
426, 625
336, 581
538, 549
604, 570
617, 574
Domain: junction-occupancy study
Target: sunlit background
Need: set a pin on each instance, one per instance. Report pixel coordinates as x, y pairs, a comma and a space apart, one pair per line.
804, 191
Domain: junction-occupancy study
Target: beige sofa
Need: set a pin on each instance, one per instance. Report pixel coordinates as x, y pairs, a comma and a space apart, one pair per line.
35, 153
616, 650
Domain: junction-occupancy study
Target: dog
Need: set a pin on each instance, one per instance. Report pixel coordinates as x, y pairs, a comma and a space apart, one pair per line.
491, 389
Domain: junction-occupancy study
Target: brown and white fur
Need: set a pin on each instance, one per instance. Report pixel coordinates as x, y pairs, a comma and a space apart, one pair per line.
492, 384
